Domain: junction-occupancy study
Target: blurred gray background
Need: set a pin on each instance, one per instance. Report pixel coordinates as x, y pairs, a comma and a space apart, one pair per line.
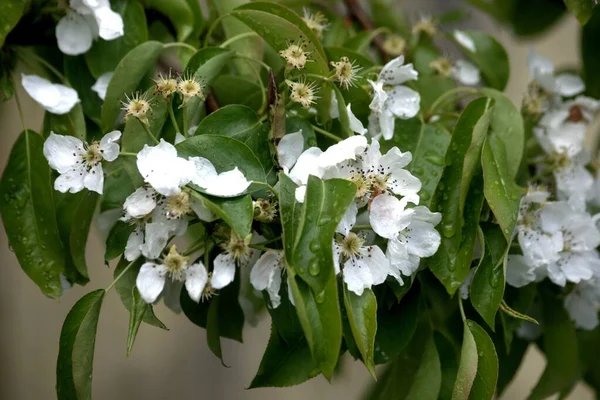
178, 364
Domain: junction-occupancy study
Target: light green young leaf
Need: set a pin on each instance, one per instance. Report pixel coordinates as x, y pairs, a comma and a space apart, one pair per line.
76, 350
105, 55
28, 215
488, 54
467, 367
501, 191
487, 287
582, 9
484, 385
127, 76
362, 317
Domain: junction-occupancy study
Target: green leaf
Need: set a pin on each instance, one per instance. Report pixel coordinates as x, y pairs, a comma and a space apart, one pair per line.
508, 124
489, 56
127, 76
430, 87
590, 35
81, 79
501, 191
136, 315
178, 11
69, 124
105, 55
284, 363
561, 349
135, 135
582, 9
467, 367
11, 12
362, 316
125, 285
484, 385
116, 241
487, 287
118, 183
237, 212
387, 13
415, 374
27, 209
74, 212
232, 90
449, 365
428, 145
459, 197
212, 148
76, 350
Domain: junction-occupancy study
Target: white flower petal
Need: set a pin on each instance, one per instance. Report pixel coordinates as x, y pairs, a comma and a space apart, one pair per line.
404, 183
72, 180
73, 34
179, 138
227, 184
300, 193
224, 271
465, 40
422, 239
273, 290
377, 263
63, 152
466, 73
156, 236
466, 285
110, 23
394, 73
102, 84
568, 85
379, 96
355, 124
196, 277
53, 97
290, 148
334, 112
94, 179
357, 276
140, 203
203, 213
151, 281
161, 167
403, 102
108, 147
387, 123
204, 171
266, 275
347, 149
348, 219
540, 248
583, 313
388, 216
519, 271
133, 248
306, 165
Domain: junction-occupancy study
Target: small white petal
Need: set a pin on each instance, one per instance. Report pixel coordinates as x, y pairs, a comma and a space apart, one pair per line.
394, 73
204, 171
465, 40
466, 73
196, 277
110, 23
156, 236
403, 102
63, 152
203, 213
357, 276
266, 275
519, 271
140, 203
388, 216
348, 219
379, 96
541, 69
400, 260
227, 184
568, 85
347, 149
300, 193
102, 84
377, 262
151, 281
94, 179
423, 239
109, 147
133, 248
161, 167
355, 124
334, 113
224, 271
466, 285
73, 34
179, 138
72, 180
53, 97
387, 122
306, 165
289, 149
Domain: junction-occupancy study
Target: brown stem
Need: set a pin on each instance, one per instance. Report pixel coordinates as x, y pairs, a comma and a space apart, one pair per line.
211, 102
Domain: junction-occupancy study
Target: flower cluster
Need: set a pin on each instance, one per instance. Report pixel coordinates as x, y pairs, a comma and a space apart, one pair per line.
556, 232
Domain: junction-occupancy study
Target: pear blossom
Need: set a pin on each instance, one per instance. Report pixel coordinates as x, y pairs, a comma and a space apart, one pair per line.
101, 84
152, 278
266, 275
411, 232
80, 164
400, 101
53, 97
237, 253
541, 70
345, 72
583, 304
463, 71
84, 22
315, 21
289, 149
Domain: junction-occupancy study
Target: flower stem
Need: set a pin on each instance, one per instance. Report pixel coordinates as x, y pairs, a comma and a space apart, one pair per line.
21, 115
326, 133
127, 154
180, 44
361, 227
172, 116
149, 133
238, 37
120, 276
462, 310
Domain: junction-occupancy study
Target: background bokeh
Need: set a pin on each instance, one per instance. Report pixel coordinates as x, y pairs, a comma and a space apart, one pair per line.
178, 364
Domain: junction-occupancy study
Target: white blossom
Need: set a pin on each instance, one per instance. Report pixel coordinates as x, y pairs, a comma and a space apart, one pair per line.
53, 97
102, 84
583, 304
541, 70
266, 275
80, 164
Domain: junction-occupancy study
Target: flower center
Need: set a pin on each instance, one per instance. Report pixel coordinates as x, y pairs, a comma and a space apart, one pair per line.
295, 55
442, 66
238, 248
425, 25
178, 205
176, 264
344, 72
575, 114
379, 183
166, 86
351, 245
208, 291
394, 45
362, 186
93, 154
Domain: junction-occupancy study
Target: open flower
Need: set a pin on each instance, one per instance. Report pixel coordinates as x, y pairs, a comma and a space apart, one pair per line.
344, 72
295, 54
54, 97
237, 253
152, 277
80, 164
303, 92
541, 70
400, 101
87, 20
